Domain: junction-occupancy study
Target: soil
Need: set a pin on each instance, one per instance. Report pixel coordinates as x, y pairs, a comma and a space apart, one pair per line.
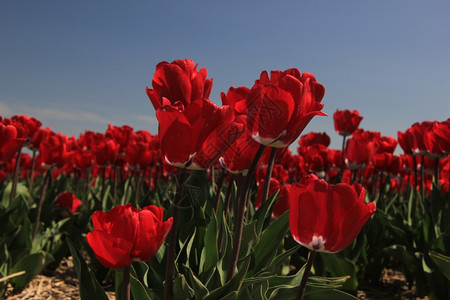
62, 284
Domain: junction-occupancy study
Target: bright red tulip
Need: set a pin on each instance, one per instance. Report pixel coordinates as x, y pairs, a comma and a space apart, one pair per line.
197, 135
239, 156
179, 81
237, 99
280, 107
126, 233
325, 217
346, 121
68, 201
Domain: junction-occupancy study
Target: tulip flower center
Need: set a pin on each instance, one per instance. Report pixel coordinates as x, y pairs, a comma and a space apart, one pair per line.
317, 243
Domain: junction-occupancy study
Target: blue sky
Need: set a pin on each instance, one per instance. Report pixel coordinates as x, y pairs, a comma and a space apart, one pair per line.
78, 65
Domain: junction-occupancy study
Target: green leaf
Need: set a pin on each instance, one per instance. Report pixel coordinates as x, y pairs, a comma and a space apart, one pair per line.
138, 290
339, 266
442, 262
264, 212
210, 253
233, 285
270, 240
32, 264
181, 289
88, 284
311, 293
200, 290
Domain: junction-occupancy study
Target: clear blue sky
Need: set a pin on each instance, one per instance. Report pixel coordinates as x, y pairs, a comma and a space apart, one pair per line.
79, 65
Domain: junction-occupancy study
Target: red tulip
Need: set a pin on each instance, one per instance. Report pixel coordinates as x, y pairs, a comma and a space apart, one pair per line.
239, 156
346, 121
325, 217
442, 132
68, 201
313, 138
126, 233
178, 81
53, 151
197, 135
10, 143
280, 107
237, 99
282, 203
105, 151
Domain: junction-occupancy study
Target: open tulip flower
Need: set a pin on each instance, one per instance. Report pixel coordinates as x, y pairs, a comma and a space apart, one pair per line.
195, 136
280, 107
346, 121
126, 233
179, 81
68, 201
325, 217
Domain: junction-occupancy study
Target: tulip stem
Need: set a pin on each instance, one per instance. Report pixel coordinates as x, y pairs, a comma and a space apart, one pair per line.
225, 211
302, 288
219, 190
41, 201
242, 197
170, 265
16, 176
126, 283
422, 180
265, 194
30, 188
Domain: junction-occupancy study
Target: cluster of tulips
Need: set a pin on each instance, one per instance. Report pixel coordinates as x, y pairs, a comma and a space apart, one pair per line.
244, 189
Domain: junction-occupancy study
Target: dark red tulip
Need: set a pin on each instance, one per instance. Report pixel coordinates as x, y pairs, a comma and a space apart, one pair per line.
178, 81
197, 135
239, 156
53, 151
10, 143
280, 107
346, 121
68, 201
325, 217
126, 233
237, 99
105, 152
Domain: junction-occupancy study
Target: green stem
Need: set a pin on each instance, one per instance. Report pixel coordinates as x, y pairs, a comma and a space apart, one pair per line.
41, 201
171, 251
30, 188
126, 291
16, 176
302, 288
239, 218
219, 190
265, 194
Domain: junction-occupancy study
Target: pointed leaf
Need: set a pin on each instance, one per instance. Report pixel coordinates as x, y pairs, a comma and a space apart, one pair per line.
88, 284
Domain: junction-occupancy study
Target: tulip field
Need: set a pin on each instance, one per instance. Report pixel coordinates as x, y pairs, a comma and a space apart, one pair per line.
215, 205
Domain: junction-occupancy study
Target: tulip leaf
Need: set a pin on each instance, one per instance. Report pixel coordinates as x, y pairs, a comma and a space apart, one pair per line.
181, 289
138, 290
209, 254
264, 212
442, 262
248, 238
340, 266
32, 264
200, 290
90, 288
271, 238
311, 293
234, 284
